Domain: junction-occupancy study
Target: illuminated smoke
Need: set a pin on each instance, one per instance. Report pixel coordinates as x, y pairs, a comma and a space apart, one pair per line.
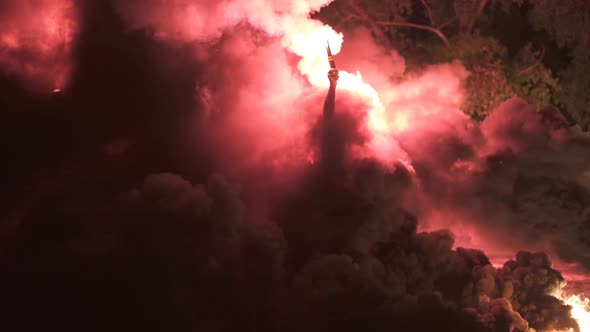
411, 101
515, 160
580, 311
36, 42
287, 20
258, 115
416, 120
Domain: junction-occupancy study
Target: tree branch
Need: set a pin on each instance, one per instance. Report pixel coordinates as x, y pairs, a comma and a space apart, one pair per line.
417, 26
346, 19
429, 12
480, 8
365, 17
442, 26
529, 68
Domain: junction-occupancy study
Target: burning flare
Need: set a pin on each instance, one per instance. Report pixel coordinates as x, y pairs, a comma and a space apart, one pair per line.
306, 43
330, 101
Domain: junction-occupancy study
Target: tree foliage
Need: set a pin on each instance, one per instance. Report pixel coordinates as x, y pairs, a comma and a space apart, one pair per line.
576, 86
531, 79
479, 34
567, 22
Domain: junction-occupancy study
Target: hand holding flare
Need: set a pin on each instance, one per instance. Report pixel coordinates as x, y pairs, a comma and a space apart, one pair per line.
333, 73
333, 76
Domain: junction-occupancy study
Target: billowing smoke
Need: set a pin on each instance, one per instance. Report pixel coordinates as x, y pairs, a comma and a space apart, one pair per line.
188, 20
36, 40
516, 181
294, 222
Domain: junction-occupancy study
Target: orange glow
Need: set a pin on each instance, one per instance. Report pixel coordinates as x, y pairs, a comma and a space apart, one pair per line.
580, 310
468, 236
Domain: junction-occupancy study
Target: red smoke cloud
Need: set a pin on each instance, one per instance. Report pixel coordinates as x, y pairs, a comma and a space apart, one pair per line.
189, 20
514, 182
263, 85
36, 41
264, 89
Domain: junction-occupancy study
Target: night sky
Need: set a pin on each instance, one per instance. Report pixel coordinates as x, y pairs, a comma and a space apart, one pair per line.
168, 166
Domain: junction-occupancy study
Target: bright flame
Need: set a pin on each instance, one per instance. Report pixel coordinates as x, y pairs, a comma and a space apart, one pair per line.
307, 38
580, 310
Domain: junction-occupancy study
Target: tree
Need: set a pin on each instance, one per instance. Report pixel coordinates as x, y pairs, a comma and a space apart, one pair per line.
428, 32
567, 22
383, 18
574, 95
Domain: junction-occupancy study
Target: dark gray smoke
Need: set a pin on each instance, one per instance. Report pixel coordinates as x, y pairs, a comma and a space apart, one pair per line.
340, 253
520, 180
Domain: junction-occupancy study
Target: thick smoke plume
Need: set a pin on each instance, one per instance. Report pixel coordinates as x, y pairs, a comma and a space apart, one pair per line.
360, 221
